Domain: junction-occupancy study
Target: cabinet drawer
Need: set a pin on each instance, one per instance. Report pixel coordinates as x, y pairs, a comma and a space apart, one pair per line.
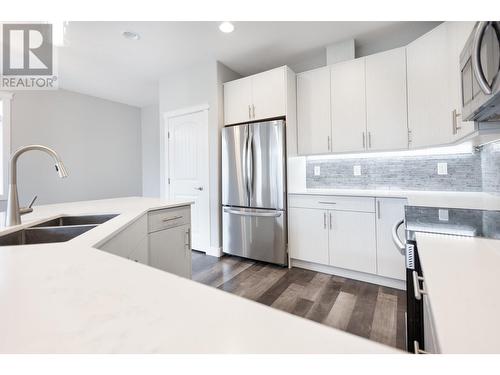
168, 218
333, 202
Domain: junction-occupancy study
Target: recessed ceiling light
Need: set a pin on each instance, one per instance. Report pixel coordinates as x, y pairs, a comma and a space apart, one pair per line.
131, 35
226, 27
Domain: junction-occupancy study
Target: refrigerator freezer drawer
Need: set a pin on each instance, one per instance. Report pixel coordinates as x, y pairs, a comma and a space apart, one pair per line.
255, 234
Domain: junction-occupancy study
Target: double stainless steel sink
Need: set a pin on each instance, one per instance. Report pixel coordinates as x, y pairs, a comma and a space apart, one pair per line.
61, 229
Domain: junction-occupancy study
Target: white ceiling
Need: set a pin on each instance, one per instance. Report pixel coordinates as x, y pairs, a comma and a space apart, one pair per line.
98, 61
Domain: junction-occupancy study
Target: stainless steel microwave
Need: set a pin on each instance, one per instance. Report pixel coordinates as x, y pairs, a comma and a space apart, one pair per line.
480, 73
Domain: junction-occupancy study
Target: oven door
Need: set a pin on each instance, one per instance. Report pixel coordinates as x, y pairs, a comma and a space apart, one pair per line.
480, 73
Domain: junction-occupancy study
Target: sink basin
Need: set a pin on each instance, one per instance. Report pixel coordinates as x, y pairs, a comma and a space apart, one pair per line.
76, 220
38, 235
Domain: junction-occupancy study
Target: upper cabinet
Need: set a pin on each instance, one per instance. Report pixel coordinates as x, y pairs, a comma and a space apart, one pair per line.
366, 106
348, 106
258, 97
386, 114
313, 110
434, 86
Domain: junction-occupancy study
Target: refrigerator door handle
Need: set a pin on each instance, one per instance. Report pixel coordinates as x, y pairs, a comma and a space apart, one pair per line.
245, 163
249, 169
249, 213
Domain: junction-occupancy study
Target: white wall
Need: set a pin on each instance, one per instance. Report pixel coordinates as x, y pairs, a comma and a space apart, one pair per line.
195, 85
150, 124
98, 140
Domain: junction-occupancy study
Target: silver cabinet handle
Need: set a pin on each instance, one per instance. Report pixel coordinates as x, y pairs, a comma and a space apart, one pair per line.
416, 348
324, 220
364, 140
395, 238
171, 218
326, 202
476, 57
416, 286
256, 214
378, 209
329, 144
454, 122
369, 139
330, 220
253, 110
200, 188
249, 112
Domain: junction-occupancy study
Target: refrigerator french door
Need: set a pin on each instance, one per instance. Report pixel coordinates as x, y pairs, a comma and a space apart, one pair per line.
254, 191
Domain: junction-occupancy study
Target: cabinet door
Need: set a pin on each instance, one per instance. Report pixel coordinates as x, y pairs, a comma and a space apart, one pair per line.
170, 250
386, 116
429, 112
458, 32
308, 235
348, 106
390, 262
352, 241
140, 252
237, 101
269, 94
313, 112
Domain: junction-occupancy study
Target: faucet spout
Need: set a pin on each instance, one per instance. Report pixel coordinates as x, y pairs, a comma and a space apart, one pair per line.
13, 213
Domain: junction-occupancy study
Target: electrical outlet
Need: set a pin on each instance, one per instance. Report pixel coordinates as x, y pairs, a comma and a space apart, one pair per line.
356, 170
442, 168
443, 215
317, 170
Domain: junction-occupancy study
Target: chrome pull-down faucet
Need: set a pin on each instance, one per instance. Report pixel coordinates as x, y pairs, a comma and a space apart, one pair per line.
14, 212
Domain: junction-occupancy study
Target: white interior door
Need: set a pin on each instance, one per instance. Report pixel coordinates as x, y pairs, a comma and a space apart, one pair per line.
188, 170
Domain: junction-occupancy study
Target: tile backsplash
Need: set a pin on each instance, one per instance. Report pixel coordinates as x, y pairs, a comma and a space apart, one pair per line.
479, 171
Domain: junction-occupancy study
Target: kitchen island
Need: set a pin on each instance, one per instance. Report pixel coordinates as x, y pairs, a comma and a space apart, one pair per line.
70, 297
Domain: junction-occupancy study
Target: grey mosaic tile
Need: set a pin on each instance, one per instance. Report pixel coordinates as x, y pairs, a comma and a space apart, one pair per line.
490, 159
408, 172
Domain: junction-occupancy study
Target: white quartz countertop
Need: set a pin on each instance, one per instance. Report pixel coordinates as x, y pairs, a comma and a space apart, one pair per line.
447, 199
462, 277
72, 298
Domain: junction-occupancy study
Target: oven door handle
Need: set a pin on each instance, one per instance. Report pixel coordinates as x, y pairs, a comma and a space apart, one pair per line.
395, 238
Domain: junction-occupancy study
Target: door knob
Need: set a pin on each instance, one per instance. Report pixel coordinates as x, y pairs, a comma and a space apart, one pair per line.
200, 188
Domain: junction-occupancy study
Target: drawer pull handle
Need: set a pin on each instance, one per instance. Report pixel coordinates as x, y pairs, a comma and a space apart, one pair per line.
171, 218
324, 202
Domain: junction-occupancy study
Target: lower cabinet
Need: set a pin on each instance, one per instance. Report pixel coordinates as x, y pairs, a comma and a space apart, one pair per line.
352, 241
308, 235
352, 233
390, 262
170, 250
160, 239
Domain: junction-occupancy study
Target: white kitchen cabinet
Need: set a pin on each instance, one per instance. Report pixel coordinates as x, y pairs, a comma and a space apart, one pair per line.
352, 241
269, 94
434, 86
348, 106
238, 101
131, 242
256, 97
161, 239
308, 234
390, 262
313, 112
386, 115
431, 344
170, 250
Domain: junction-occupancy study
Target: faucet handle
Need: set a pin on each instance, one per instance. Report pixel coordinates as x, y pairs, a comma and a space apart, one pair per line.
33, 201
27, 210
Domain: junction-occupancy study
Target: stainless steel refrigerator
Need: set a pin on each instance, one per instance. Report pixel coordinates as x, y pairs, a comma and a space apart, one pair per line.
254, 218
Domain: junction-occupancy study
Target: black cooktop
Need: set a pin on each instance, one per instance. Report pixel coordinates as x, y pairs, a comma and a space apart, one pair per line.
454, 221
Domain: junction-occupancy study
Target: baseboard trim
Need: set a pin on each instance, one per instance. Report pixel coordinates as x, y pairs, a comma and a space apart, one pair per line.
366, 277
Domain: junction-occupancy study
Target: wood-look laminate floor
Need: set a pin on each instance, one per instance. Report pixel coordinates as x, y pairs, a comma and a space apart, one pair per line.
364, 309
